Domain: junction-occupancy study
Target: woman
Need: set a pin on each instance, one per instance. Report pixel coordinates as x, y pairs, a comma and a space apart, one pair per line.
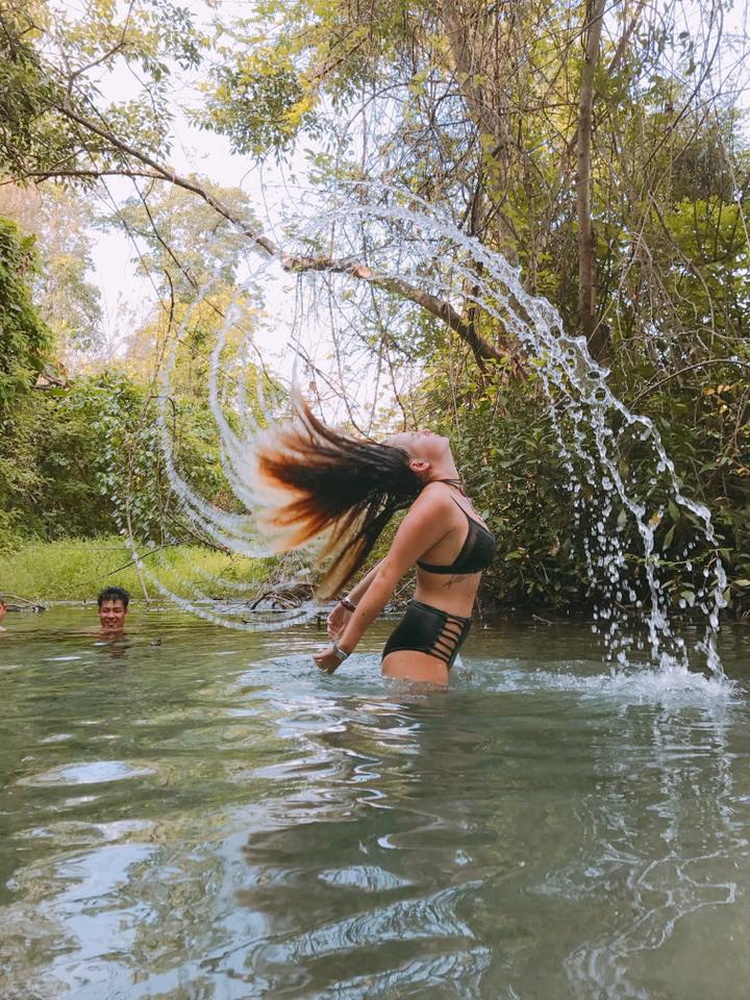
322, 481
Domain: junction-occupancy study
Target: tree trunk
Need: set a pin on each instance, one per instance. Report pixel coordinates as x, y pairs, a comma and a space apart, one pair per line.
595, 334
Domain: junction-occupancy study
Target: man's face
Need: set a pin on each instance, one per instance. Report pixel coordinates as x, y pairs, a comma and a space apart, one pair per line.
112, 616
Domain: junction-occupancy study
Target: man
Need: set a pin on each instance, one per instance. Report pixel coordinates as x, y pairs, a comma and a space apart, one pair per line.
3, 609
113, 606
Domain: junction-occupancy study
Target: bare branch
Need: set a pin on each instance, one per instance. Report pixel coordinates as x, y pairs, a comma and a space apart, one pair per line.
439, 308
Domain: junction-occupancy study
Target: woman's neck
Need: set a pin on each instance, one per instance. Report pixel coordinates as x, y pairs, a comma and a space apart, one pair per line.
444, 474
457, 483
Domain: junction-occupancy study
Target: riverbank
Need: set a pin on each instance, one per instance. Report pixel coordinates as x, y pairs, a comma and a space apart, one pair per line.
77, 569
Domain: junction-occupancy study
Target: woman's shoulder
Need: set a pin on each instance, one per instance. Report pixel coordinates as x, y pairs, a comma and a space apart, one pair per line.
433, 496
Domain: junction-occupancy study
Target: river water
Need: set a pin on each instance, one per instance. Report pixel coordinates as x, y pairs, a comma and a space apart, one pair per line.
197, 813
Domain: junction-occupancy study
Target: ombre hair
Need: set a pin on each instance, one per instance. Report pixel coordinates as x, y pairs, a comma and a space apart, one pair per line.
315, 482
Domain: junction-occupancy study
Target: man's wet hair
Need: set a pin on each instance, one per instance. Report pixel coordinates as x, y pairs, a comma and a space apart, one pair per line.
114, 594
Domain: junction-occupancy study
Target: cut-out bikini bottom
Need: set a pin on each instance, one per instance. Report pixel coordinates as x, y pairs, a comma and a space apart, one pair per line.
425, 629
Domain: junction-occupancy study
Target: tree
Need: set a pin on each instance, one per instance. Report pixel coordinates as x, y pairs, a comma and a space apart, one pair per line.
24, 337
57, 66
182, 242
65, 295
490, 108
541, 126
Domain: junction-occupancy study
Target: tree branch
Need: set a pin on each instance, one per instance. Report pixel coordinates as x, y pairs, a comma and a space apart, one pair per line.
442, 310
683, 371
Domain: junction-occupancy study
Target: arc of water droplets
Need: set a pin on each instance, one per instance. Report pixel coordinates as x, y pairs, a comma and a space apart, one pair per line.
575, 386
237, 533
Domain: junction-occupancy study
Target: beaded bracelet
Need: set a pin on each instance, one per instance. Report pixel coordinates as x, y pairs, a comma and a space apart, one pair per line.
347, 604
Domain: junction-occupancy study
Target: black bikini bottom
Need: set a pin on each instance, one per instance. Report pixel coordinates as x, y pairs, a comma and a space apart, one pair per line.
425, 629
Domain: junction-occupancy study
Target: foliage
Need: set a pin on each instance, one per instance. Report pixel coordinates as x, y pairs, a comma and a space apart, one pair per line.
30, 135
65, 295
24, 338
88, 460
54, 69
182, 242
259, 104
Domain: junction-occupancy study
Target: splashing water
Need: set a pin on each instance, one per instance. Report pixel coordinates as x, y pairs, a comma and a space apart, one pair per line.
408, 244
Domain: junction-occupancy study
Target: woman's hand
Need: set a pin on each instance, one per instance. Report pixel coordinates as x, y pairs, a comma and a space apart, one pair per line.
326, 660
337, 621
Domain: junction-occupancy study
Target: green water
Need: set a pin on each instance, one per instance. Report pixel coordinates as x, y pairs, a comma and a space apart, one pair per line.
210, 817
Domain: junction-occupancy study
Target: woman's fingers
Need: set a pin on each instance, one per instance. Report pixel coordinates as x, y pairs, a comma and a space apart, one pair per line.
326, 661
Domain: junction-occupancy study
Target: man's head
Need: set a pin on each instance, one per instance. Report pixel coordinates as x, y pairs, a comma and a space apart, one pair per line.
113, 606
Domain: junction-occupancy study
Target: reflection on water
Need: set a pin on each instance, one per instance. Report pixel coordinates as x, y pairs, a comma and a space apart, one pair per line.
210, 817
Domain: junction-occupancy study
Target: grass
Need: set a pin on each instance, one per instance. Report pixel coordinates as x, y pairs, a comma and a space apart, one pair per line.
77, 569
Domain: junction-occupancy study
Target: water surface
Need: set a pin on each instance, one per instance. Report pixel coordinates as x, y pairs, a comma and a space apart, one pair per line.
199, 813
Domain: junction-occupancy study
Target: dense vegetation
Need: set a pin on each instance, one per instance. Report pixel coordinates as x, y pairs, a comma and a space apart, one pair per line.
594, 148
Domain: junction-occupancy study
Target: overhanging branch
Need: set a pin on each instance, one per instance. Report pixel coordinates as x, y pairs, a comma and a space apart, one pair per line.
482, 349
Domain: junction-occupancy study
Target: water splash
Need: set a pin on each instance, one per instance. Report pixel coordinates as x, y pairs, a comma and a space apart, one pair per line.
405, 241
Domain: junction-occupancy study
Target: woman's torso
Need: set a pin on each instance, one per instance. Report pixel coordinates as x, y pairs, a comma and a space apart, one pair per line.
458, 559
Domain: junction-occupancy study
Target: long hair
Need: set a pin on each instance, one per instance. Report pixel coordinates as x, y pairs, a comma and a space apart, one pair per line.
315, 482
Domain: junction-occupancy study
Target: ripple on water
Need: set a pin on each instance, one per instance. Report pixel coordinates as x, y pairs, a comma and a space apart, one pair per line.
313, 837
93, 773
66, 833
423, 933
447, 975
365, 878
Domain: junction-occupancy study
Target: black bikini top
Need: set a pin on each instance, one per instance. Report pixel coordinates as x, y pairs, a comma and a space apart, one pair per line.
476, 553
